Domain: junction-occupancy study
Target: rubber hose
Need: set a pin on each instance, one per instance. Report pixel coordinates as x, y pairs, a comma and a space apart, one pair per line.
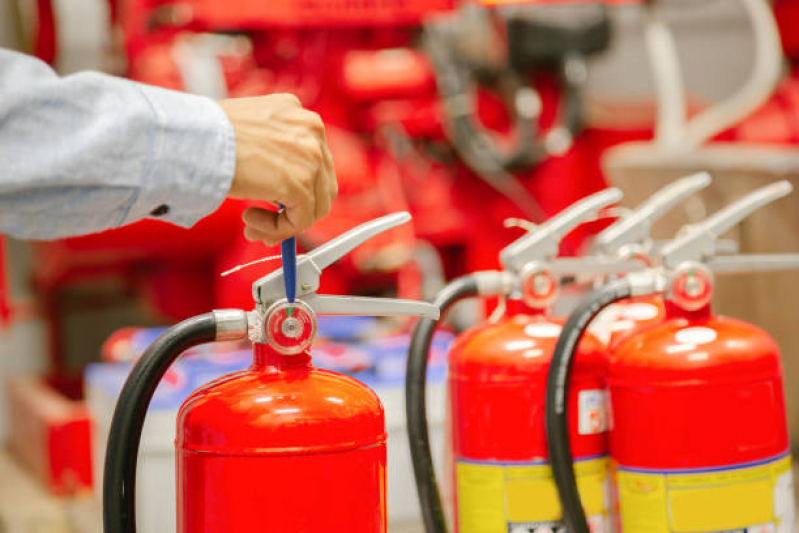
560, 369
416, 406
121, 457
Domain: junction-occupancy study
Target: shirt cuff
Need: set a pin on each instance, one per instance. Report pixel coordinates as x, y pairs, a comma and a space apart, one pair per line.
191, 158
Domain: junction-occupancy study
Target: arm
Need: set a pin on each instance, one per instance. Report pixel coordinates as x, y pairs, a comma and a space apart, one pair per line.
88, 152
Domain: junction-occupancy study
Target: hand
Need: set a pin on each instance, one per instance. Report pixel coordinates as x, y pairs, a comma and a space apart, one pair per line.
281, 157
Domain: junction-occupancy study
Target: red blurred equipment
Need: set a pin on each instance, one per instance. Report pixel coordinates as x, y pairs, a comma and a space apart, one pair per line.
50, 435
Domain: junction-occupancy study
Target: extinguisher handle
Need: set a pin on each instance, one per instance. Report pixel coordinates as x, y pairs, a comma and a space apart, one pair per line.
272, 287
591, 265
542, 242
365, 306
634, 228
742, 264
697, 242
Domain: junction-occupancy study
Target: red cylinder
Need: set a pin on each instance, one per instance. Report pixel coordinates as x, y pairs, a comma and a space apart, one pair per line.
699, 439
620, 320
281, 447
497, 382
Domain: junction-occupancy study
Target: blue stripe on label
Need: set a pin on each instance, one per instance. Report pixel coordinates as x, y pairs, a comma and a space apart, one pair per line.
538, 462
704, 470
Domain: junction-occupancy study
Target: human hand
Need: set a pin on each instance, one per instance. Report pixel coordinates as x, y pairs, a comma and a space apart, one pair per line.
281, 157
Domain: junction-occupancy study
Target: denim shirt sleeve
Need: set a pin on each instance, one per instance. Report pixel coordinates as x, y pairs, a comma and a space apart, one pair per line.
88, 152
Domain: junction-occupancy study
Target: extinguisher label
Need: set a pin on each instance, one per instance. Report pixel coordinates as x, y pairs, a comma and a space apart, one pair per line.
750, 498
592, 412
521, 497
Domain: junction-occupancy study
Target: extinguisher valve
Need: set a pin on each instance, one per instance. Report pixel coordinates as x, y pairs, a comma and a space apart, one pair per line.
291, 327
688, 264
699, 242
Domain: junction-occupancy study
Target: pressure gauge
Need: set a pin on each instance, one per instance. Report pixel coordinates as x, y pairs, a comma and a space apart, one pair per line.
290, 328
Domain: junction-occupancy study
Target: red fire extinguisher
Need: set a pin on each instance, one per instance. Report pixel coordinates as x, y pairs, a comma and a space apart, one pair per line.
699, 439
497, 371
498, 461
282, 446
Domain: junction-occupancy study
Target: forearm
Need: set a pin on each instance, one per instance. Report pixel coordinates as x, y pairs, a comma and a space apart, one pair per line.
88, 152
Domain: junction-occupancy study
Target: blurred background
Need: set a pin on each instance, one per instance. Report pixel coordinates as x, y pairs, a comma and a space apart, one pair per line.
463, 113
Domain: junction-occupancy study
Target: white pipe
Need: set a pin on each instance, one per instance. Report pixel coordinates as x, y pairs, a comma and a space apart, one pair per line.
765, 76
667, 77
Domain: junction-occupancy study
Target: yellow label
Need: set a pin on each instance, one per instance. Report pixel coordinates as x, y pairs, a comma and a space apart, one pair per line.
501, 498
748, 499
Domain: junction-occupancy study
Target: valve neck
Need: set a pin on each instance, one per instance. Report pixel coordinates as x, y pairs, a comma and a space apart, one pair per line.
675, 311
517, 306
265, 357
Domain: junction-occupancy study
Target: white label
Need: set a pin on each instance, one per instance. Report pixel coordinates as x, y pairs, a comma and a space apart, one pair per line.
543, 330
640, 311
695, 335
602, 325
592, 412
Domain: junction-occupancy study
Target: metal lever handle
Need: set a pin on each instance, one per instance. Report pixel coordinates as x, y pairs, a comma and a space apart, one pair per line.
741, 264
592, 265
364, 306
636, 226
310, 265
723, 220
723, 246
698, 241
542, 243
571, 217
334, 249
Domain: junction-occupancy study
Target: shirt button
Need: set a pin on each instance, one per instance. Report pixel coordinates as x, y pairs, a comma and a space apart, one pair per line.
161, 210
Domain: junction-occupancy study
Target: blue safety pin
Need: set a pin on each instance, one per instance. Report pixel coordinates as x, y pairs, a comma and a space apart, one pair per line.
288, 250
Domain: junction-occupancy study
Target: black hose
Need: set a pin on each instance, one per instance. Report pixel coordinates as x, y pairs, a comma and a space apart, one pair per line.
471, 142
416, 407
121, 456
558, 444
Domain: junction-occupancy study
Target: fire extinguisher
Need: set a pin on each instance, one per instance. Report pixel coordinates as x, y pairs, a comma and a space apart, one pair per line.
496, 382
628, 238
699, 439
282, 446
